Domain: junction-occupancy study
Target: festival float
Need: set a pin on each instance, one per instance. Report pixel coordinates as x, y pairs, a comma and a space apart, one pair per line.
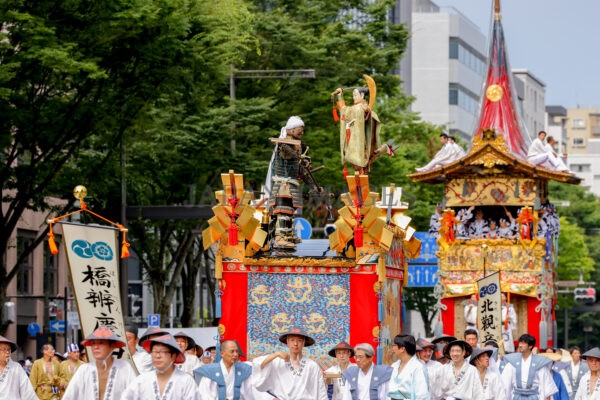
496, 179
346, 287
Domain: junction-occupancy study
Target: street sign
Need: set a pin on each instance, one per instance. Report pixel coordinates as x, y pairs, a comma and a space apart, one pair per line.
302, 228
153, 319
73, 319
33, 329
57, 325
429, 247
422, 275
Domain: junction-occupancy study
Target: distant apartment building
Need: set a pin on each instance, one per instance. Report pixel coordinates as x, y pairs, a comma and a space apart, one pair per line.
583, 148
448, 64
37, 290
533, 102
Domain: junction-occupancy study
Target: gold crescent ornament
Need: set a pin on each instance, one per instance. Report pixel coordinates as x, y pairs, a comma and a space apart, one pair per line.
372, 90
80, 192
494, 93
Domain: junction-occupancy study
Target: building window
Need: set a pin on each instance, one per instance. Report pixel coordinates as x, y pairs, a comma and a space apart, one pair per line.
580, 167
578, 123
50, 270
460, 97
25, 240
577, 141
459, 51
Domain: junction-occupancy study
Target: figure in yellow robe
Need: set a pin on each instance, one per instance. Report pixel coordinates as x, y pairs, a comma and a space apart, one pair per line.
359, 131
46, 383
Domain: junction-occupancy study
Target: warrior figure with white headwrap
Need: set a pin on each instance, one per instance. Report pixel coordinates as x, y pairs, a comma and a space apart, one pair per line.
285, 197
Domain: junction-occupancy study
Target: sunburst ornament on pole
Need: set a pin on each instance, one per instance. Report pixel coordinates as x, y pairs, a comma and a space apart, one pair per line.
80, 192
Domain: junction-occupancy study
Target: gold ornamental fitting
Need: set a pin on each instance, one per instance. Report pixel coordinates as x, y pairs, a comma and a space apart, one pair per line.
80, 192
494, 93
221, 329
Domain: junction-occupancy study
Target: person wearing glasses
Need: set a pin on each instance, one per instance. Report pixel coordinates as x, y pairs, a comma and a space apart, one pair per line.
166, 382
14, 383
365, 380
105, 378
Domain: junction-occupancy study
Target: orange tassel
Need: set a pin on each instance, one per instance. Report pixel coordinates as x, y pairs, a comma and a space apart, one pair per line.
51, 242
345, 172
52, 245
335, 115
125, 250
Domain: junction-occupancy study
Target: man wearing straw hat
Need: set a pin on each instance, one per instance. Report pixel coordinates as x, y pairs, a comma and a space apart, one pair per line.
589, 386
14, 383
426, 354
290, 376
229, 379
166, 382
458, 378
493, 388
526, 376
556, 367
342, 353
70, 366
105, 378
186, 342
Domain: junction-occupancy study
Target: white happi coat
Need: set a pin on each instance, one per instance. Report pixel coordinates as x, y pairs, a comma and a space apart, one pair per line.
190, 364
509, 312
142, 360
338, 383
463, 216
434, 370
84, 384
583, 392
209, 390
471, 316
542, 380
435, 224
465, 386
458, 151
281, 379
542, 154
363, 387
145, 387
478, 228
493, 387
412, 381
446, 155
14, 383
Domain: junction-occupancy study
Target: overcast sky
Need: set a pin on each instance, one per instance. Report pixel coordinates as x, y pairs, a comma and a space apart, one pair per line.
557, 40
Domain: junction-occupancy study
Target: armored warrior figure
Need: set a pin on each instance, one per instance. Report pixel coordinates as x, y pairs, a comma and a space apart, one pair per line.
290, 159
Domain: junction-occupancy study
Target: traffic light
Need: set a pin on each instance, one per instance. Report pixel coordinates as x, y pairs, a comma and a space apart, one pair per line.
584, 295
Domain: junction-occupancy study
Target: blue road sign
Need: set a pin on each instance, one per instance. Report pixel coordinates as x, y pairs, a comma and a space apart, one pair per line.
429, 247
33, 329
422, 275
153, 319
57, 325
302, 228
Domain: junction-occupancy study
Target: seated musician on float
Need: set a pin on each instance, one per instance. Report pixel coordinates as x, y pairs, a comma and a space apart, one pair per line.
449, 153
542, 154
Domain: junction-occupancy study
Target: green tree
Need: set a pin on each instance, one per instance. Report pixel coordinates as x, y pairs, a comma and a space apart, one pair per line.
75, 77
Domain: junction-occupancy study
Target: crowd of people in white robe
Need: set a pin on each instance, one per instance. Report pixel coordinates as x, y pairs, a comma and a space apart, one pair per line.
541, 153
480, 227
442, 369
